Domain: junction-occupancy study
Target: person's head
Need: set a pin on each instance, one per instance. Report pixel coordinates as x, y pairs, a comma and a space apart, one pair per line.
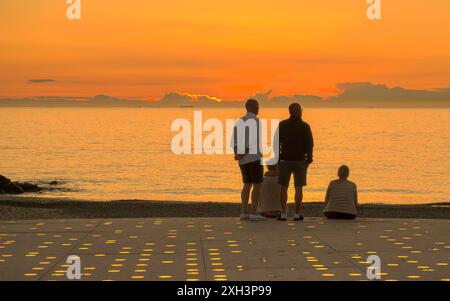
295, 110
343, 172
252, 106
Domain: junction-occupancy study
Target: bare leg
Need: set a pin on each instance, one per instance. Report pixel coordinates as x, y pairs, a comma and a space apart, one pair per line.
283, 198
245, 195
298, 199
256, 193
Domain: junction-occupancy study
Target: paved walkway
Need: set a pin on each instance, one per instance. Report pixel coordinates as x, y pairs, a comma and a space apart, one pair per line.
225, 249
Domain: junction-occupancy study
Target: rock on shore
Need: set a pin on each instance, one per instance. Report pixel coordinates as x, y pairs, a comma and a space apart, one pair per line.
9, 187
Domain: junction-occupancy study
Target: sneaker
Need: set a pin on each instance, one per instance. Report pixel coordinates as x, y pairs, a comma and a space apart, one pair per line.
282, 217
298, 218
257, 218
245, 217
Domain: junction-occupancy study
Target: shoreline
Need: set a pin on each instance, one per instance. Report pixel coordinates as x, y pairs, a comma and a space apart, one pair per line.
27, 208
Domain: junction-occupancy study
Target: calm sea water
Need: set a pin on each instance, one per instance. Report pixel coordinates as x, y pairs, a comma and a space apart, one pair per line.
395, 155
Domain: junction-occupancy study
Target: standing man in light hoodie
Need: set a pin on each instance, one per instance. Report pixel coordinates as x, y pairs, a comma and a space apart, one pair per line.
246, 143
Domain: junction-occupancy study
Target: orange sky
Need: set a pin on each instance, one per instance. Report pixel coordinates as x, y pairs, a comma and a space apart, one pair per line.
229, 49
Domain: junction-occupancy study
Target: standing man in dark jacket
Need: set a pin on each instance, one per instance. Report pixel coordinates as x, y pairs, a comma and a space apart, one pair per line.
296, 154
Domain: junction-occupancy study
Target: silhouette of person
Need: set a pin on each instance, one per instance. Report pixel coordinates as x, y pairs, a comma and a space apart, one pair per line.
247, 149
341, 199
295, 145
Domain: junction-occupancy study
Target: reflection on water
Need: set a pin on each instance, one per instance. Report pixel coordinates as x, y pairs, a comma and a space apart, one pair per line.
395, 155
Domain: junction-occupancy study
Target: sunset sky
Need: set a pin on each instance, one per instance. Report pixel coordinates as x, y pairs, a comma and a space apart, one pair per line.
229, 49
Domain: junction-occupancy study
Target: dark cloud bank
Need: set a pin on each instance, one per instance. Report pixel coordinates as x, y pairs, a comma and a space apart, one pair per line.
363, 94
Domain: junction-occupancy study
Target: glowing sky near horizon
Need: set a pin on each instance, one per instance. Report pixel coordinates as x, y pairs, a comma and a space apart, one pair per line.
227, 49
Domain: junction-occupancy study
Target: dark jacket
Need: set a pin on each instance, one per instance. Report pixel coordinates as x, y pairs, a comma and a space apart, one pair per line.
296, 140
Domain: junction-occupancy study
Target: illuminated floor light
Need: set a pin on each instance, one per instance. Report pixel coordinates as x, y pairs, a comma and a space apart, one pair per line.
60, 271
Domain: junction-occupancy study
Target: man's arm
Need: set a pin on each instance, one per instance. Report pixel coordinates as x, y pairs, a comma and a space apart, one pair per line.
309, 145
234, 144
234, 140
276, 147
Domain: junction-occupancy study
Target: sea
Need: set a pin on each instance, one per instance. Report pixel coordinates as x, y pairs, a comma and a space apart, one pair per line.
396, 156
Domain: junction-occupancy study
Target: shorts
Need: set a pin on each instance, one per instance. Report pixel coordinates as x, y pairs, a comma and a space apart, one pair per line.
252, 173
287, 168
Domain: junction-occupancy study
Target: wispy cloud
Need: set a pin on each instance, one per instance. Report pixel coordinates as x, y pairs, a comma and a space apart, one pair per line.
41, 81
187, 99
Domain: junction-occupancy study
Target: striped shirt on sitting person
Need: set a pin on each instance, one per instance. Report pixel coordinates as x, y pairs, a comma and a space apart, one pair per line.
342, 197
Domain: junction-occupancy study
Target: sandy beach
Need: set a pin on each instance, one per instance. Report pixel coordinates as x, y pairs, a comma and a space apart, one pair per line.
24, 208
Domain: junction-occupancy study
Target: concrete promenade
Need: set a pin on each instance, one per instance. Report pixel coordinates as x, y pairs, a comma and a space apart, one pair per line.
225, 249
